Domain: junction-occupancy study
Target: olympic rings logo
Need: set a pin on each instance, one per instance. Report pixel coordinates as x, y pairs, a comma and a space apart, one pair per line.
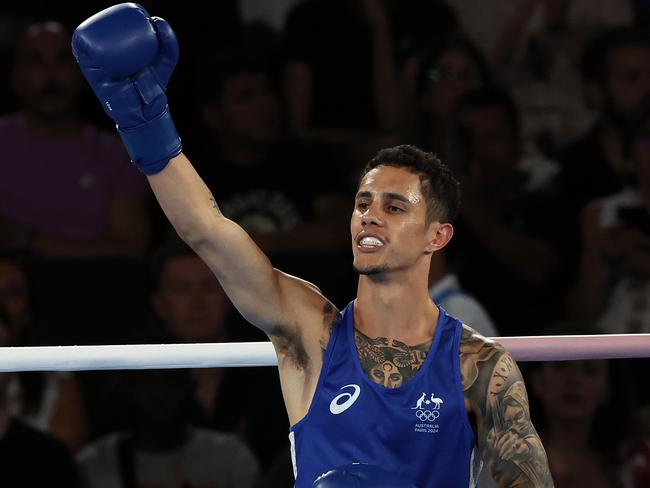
427, 415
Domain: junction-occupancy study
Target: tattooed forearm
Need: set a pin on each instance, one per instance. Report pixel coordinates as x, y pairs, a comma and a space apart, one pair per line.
389, 362
509, 444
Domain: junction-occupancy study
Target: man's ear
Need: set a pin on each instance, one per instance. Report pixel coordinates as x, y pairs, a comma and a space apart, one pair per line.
438, 236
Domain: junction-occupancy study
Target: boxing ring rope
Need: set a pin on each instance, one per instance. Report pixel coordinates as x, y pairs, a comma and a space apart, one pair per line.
166, 356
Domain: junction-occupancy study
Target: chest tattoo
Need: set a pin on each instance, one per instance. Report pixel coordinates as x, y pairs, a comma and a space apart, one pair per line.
389, 362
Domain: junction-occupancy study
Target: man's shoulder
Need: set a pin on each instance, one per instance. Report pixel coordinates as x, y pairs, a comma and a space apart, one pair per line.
477, 354
473, 343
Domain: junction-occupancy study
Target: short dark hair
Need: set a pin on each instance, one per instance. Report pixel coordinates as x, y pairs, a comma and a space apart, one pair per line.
593, 61
438, 185
173, 248
220, 66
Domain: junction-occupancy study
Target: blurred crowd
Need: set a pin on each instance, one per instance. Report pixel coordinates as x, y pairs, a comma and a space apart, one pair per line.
540, 107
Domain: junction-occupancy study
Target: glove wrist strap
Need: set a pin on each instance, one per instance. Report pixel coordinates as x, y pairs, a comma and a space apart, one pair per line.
153, 144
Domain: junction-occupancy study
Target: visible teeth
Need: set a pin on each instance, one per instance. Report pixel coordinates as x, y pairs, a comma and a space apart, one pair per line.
370, 241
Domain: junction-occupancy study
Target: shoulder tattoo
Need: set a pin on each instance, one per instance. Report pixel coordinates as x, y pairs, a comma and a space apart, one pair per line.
509, 444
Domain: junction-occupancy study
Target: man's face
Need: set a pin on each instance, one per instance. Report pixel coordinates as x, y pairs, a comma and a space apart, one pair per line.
454, 74
627, 83
388, 225
249, 110
46, 76
572, 389
495, 149
190, 300
159, 397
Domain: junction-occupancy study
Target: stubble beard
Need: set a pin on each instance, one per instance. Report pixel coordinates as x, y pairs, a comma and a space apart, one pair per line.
371, 270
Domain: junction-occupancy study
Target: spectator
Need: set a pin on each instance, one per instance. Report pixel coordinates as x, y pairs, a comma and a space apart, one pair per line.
69, 197
502, 28
505, 248
29, 457
161, 448
51, 402
192, 307
613, 286
445, 291
83, 202
616, 69
573, 404
543, 70
259, 176
345, 87
636, 473
435, 80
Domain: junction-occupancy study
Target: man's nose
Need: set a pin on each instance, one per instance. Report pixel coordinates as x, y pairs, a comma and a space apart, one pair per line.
371, 217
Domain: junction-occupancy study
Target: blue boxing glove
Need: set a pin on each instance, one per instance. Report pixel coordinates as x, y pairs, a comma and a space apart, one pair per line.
357, 475
128, 58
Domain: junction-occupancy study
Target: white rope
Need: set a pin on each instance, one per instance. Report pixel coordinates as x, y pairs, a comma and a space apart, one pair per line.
166, 356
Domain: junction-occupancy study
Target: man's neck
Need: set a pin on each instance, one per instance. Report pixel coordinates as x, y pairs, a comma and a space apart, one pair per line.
395, 308
438, 268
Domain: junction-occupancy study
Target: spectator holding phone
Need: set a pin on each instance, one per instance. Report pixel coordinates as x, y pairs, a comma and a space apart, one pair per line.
613, 286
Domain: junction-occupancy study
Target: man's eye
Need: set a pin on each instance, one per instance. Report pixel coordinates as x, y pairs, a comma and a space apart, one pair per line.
394, 209
362, 205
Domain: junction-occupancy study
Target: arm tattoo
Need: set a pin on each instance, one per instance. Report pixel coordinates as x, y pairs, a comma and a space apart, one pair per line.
508, 442
213, 202
389, 362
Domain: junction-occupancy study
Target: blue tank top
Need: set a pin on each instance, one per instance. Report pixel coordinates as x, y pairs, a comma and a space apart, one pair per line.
419, 429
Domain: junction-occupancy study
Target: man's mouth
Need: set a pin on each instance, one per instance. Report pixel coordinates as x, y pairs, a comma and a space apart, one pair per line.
369, 242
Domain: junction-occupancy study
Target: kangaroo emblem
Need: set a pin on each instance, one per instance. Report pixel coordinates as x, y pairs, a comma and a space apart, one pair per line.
418, 405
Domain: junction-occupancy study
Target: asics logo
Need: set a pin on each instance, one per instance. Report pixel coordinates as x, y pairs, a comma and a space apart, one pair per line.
347, 397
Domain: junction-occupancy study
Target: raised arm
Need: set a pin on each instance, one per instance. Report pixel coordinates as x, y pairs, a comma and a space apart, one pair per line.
128, 58
265, 296
496, 394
